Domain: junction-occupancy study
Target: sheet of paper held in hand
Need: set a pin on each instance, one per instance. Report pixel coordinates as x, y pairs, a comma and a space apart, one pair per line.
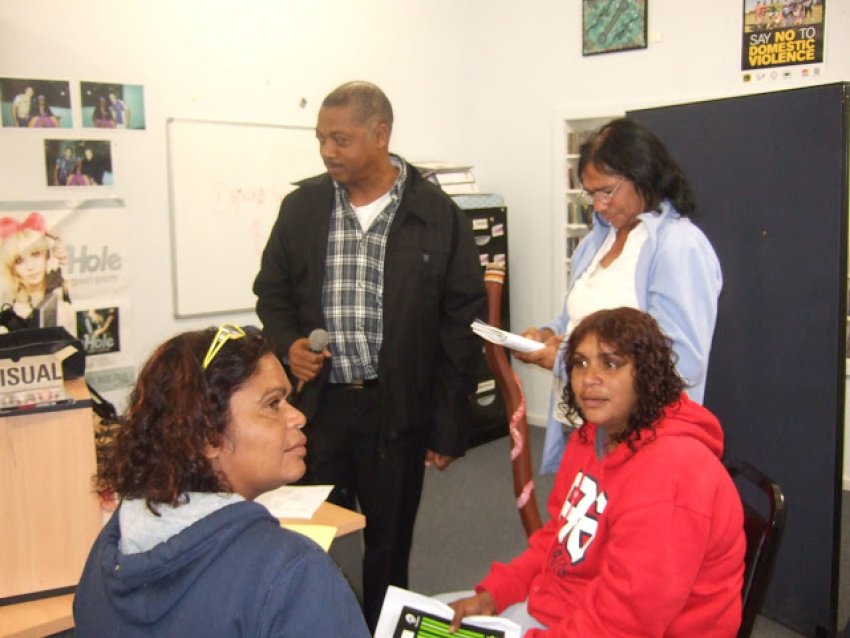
504, 338
406, 614
295, 501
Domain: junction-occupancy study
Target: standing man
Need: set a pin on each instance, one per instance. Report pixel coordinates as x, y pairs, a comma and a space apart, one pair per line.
64, 167
387, 264
93, 166
119, 110
22, 108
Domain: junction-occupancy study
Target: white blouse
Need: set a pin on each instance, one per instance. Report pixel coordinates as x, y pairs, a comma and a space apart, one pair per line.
611, 286
600, 287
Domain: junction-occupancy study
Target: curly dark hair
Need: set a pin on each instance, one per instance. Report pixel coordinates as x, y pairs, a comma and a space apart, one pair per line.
635, 335
627, 148
177, 409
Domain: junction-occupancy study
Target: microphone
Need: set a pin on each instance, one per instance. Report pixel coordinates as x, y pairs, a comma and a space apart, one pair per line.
318, 341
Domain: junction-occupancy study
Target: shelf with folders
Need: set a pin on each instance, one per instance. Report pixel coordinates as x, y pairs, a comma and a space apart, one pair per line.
454, 179
577, 225
577, 214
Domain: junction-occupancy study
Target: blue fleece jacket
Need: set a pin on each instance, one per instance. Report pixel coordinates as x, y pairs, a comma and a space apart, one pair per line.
235, 572
678, 281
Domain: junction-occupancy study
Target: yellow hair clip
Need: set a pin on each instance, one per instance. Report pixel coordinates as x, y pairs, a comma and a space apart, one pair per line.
225, 332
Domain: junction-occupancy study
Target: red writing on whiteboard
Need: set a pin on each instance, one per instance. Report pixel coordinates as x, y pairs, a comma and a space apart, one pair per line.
229, 200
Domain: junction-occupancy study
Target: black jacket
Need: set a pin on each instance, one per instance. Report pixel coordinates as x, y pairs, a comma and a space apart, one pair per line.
433, 289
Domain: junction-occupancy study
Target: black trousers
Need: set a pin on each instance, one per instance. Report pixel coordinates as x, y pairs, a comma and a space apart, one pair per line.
343, 450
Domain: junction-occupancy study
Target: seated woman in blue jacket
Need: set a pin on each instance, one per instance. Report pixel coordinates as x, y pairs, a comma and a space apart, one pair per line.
188, 552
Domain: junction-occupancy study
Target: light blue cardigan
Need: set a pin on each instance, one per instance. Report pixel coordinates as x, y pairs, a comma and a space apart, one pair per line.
677, 280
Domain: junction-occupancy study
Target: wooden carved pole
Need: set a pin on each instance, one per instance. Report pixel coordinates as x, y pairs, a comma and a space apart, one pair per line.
494, 279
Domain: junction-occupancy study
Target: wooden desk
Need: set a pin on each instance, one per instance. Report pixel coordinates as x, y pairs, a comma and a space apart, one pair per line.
47, 460
46, 616
37, 618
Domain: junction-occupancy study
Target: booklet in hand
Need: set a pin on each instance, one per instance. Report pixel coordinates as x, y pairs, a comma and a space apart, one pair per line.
504, 338
406, 614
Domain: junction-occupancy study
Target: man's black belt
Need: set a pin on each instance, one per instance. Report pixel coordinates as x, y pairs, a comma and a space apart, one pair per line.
356, 384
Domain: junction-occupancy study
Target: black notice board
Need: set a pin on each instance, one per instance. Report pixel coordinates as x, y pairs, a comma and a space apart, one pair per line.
770, 178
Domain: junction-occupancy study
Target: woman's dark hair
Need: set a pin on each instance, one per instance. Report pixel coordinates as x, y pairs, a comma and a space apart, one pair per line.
636, 336
627, 148
177, 410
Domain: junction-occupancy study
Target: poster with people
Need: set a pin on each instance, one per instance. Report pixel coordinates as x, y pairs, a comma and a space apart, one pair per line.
67, 266
782, 33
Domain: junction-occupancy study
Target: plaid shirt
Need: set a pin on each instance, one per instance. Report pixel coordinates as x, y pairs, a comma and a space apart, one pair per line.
353, 290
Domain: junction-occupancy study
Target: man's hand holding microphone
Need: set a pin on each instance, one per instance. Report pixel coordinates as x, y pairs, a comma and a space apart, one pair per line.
307, 356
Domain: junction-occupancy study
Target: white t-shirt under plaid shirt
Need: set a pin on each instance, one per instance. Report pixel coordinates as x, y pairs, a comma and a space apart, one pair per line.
353, 290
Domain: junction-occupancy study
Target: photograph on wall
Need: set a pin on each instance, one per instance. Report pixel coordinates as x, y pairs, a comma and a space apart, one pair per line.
613, 25
785, 33
112, 105
78, 162
35, 103
67, 266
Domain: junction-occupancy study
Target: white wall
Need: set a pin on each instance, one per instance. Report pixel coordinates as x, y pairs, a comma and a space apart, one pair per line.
246, 62
528, 72
479, 81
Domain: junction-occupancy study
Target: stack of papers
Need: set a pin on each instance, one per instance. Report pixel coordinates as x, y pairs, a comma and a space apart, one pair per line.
454, 179
294, 501
504, 338
300, 502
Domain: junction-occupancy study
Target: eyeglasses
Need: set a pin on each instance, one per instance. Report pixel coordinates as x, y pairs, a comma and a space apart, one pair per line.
225, 333
604, 197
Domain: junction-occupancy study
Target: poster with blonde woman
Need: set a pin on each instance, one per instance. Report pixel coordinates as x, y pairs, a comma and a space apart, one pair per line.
36, 293
65, 263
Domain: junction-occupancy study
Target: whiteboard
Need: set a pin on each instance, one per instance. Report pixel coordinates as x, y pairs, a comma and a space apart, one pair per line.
226, 181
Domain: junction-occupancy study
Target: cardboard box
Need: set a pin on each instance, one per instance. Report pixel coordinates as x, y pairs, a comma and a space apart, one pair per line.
34, 381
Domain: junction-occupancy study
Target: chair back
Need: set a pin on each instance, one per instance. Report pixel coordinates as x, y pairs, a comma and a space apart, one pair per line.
509, 384
764, 520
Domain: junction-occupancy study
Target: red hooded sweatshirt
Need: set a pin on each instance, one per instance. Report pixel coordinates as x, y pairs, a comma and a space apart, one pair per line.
640, 543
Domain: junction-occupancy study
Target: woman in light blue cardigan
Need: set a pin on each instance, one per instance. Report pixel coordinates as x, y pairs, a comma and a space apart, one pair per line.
642, 251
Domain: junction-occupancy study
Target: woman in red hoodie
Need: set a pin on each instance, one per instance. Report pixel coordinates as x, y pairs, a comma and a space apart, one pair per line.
646, 532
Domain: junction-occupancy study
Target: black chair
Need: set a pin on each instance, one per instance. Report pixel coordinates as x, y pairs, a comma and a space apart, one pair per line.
764, 520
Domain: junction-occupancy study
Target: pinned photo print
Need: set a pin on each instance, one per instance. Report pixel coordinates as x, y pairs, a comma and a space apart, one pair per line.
78, 162
112, 105
35, 103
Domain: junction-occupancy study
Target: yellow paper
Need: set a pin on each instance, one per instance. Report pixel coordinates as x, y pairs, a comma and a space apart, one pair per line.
323, 535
